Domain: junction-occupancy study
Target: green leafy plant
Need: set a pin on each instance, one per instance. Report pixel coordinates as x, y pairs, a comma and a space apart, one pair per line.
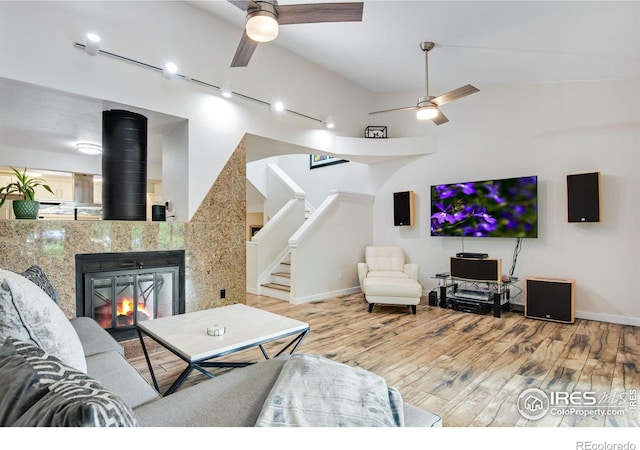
24, 186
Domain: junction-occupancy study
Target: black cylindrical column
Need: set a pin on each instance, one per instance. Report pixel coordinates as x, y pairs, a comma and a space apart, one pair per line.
124, 165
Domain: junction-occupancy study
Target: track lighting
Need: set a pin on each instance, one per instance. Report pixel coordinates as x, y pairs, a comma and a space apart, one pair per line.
169, 70
226, 89
92, 45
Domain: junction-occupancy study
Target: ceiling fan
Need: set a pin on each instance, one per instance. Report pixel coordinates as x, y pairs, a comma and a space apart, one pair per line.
428, 106
264, 17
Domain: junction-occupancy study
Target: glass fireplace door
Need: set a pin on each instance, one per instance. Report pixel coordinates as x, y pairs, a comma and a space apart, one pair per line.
119, 300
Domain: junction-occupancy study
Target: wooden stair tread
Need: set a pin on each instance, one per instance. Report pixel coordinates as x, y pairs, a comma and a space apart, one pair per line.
282, 274
280, 287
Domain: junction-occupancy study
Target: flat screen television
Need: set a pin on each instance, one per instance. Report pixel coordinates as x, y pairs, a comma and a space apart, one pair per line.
492, 208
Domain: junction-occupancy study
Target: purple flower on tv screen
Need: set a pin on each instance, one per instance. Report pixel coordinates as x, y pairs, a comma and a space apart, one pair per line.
505, 207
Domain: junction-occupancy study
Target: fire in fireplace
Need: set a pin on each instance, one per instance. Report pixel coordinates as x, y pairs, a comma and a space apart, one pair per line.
119, 290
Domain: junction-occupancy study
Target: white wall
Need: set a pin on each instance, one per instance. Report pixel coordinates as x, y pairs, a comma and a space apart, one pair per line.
319, 182
175, 164
550, 131
342, 223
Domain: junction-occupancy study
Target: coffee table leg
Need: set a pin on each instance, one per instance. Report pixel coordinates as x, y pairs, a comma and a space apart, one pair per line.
297, 341
183, 376
146, 355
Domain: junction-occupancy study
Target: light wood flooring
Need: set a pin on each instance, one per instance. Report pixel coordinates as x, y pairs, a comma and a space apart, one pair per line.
468, 368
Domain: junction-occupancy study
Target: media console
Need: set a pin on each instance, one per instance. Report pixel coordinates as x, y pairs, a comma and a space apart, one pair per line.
476, 285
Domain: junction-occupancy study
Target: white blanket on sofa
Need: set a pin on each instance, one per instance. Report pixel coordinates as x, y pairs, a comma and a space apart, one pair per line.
312, 391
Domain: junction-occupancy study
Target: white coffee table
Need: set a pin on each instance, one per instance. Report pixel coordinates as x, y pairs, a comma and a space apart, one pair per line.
186, 336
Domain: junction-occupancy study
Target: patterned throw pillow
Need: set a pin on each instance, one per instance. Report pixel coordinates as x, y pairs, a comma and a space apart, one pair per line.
37, 276
20, 388
74, 399
28, 314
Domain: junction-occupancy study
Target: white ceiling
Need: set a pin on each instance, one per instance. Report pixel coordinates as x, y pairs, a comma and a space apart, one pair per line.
477, 42
37, 118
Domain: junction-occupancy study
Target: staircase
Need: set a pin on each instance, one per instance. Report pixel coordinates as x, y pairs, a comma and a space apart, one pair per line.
279, 283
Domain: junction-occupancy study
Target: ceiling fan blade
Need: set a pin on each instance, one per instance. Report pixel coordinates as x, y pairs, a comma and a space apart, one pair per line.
440, 118
395, 109
320, 12
244, 5
245, 50
455, 94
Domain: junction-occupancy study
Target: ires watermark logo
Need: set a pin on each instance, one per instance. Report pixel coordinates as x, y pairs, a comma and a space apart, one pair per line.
534, 403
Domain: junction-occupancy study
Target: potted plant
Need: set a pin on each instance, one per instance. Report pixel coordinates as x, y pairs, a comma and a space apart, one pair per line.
26, 207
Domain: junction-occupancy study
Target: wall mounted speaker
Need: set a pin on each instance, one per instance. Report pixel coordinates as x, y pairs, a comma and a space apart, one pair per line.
583, 197
476, 269
550, 299
403, 208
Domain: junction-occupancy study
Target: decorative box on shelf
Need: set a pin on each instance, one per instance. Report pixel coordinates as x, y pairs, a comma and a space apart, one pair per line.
375, 132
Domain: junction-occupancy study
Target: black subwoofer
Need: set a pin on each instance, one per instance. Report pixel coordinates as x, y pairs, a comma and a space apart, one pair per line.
550, 299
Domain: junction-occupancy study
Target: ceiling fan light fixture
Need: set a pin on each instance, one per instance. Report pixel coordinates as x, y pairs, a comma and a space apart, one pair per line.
262, 26
89, 148
427, 112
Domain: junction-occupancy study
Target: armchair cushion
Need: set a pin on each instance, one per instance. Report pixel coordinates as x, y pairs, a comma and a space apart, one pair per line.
387, 259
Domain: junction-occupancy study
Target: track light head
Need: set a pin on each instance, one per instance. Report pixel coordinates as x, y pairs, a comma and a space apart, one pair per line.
329, 123
277, 107
226, 90
170, 69
92, 44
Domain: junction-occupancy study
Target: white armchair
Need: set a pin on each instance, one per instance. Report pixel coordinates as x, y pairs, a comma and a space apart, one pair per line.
386, 278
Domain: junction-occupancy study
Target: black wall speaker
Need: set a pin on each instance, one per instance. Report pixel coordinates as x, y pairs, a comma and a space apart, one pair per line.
550, 299
403, 208
476, 269
583, 197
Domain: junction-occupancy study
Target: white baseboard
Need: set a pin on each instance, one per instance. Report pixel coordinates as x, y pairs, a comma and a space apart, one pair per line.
253, 291
324, 295
610, 318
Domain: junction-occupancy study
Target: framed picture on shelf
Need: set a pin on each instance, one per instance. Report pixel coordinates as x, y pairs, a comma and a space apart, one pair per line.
375, 132
316, 161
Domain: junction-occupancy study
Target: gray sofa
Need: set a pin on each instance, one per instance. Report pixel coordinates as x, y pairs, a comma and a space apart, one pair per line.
234, 399
40, 380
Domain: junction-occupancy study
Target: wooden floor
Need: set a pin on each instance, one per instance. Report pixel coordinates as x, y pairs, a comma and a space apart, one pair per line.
468, 368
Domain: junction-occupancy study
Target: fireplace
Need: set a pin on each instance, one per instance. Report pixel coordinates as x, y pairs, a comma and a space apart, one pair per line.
119, 290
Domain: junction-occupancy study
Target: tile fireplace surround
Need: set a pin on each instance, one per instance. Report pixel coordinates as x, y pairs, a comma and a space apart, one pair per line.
214, 242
